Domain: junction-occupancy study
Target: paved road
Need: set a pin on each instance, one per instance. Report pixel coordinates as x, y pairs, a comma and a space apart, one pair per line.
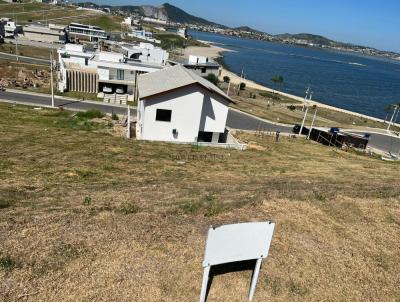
238, 120
235, 120
383, 142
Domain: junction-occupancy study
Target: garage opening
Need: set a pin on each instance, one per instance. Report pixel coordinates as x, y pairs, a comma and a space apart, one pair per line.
204, 137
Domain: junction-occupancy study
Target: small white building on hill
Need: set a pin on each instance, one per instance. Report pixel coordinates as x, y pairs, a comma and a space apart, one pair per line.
177, 105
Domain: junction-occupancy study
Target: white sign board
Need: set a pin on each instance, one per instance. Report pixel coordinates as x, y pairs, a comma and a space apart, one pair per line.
237, 242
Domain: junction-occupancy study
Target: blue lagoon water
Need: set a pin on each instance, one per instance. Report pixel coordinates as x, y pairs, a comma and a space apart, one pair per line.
359, 83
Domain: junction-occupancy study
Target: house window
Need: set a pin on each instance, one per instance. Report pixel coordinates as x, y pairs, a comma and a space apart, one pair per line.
163, 115
203, 70
120, 74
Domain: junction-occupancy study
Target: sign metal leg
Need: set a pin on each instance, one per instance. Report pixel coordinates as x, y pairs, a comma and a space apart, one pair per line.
254, 279
203, 292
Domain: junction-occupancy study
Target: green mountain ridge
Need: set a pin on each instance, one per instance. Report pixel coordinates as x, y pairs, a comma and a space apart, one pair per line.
317, 39
178, 15
247, 28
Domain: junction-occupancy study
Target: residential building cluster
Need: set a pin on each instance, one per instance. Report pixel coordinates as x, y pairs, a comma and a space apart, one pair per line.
52, 33
110, 74
135, 23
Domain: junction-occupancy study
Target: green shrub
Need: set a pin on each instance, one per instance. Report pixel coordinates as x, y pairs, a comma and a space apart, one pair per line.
226, 79
7, 263
291, 107
128, 208
114, 117
90, 114
242, 86
212, 78
4, 204
87, 201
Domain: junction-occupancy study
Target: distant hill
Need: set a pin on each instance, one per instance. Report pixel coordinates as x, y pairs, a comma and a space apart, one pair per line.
178, 15
315, 39
247, 28
165, 12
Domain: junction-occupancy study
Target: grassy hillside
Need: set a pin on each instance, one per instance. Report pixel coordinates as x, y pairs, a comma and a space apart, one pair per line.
40, 12
89, 216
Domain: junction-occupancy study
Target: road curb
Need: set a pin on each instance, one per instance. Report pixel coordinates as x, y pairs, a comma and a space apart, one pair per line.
60, 97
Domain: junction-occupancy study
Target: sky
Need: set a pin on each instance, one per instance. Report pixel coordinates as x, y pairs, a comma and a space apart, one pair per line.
373, 23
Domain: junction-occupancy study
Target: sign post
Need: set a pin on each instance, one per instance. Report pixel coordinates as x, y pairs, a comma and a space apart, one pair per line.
236, 243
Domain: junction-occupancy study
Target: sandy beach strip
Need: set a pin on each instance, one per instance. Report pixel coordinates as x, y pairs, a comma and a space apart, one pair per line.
215, 51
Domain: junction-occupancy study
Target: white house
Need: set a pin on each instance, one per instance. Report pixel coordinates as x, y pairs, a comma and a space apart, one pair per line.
78, 32
144, 35
9, 28
146, 53
110, 74
177, 105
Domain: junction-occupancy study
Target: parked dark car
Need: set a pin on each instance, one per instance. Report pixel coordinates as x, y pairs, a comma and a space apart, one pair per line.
335, 130
296, 130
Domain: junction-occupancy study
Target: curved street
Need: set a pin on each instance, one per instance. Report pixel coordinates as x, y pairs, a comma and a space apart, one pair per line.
236, 119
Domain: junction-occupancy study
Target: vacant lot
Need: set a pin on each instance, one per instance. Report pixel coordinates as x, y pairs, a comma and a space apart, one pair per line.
40, 12
87, 216
28, 51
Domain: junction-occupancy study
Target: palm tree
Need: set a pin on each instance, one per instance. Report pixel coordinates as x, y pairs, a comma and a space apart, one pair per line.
278, 80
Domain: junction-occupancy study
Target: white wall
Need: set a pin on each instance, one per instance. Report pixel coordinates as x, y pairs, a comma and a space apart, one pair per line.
104, 73
185, 103
197, 59
193, 108
214, 112
111, 57
73, 47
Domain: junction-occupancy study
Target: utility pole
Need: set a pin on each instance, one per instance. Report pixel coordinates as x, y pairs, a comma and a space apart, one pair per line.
305, 114
16, 42
312, 123
305, 97
128, 130
51, 76
16, 47
391, 120
397, 114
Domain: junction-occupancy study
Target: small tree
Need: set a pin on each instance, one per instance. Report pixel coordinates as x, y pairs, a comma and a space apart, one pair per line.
227, 79
212, 78
278, 80
242, 86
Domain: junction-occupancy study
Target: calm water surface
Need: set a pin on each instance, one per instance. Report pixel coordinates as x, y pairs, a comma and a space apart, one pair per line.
354, 82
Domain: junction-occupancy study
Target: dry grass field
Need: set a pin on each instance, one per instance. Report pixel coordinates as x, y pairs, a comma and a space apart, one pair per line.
40, 12
28, 51
88, 216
